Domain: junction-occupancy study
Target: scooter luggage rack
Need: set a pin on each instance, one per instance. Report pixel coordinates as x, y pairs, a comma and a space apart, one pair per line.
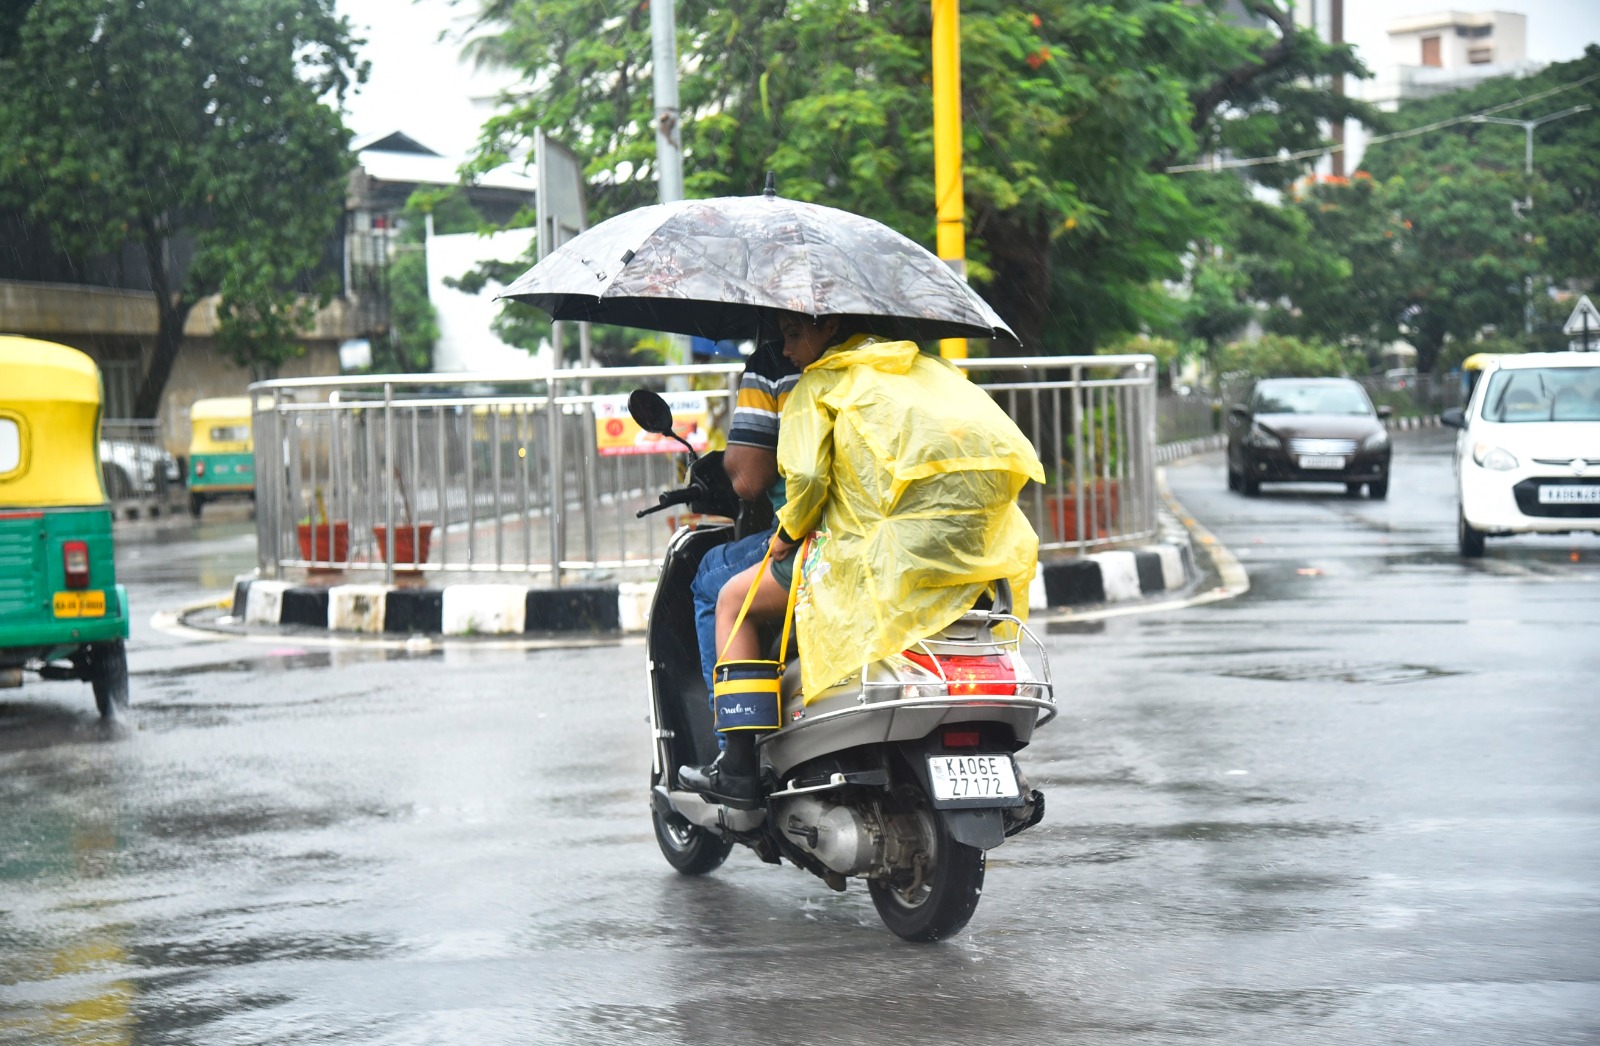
953, 646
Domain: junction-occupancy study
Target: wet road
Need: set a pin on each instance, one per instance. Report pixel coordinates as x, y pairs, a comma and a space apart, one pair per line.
1358, 804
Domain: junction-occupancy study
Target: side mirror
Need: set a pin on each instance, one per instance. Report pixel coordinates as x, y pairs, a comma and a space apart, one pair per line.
1385, 411
1455, 417
1238, 412
650, 412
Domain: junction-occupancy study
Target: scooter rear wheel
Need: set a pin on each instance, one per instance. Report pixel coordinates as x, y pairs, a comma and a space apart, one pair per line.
942, 902
690, 849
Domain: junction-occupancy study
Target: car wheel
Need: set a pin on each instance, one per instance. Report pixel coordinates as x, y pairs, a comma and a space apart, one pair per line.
1233, 479
1352, 489
118, 486
1378, 490
1469, 537
1248, 484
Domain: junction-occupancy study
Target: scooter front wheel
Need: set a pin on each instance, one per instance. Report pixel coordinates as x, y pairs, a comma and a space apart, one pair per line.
937, 903
690, 849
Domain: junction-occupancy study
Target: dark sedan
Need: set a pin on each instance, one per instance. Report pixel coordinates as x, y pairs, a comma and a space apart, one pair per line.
1308, 430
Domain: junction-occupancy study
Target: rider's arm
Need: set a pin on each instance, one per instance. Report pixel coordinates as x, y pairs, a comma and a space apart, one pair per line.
805, 453
752, 469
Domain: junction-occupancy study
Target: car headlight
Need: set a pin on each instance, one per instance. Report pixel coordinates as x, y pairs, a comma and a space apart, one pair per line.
1492, 457
1377, 441
1261, 439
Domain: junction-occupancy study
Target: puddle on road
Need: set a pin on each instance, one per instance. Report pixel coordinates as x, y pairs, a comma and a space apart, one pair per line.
1084, 628
1379, 674
1302, 1003
288, 659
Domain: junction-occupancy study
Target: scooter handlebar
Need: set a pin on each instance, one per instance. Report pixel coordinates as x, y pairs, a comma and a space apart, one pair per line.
682, 496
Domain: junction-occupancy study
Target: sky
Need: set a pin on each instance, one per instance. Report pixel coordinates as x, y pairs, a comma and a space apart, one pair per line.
420, 85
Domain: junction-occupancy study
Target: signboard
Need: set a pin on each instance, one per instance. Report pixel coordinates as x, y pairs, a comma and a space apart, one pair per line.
615, 433
1583, 326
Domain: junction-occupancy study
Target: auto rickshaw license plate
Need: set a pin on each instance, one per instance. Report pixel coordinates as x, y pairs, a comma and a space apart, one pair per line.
80, 604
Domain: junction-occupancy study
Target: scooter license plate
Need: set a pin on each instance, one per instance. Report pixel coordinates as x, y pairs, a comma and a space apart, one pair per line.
972, 777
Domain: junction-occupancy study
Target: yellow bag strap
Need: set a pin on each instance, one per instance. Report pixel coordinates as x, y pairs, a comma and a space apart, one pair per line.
788, 611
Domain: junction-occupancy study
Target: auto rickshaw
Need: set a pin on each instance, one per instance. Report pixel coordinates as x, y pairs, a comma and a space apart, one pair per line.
62, 614
221, 451
1471, 370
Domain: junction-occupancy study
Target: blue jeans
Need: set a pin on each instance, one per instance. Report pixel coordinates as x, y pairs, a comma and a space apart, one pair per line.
718, 568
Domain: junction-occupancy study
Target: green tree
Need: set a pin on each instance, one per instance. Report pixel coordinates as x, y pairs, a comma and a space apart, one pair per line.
1072, 111
1215, 310
1331, 262
1461, 188
1284, 356
186, 129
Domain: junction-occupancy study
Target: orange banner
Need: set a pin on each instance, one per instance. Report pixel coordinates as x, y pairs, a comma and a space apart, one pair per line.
616, 433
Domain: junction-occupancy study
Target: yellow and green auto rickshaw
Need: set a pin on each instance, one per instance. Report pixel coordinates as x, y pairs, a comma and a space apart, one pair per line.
222, 460
1471, 370
62, 614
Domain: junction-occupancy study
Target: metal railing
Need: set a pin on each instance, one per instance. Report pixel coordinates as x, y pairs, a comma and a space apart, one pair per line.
140, 477
484, 476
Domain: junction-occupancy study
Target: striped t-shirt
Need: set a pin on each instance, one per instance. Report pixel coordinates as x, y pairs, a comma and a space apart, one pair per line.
764, 387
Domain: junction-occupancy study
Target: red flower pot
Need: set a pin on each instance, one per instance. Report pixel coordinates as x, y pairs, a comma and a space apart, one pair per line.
1099, 519
324, 542
410, 542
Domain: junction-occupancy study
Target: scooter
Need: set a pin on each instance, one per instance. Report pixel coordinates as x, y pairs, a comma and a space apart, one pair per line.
904, 774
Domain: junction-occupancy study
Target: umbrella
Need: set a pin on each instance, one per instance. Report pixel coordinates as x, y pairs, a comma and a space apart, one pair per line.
709, 267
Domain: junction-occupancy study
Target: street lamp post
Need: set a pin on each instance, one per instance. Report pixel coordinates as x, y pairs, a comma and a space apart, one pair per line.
1527, 202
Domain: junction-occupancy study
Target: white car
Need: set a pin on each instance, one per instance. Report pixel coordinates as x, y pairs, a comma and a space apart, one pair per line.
1528, 453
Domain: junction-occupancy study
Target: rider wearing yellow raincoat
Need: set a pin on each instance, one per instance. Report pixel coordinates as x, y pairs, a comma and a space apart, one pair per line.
908, 474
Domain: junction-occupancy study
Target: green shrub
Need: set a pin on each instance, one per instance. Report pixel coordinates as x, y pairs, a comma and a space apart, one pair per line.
1285, 356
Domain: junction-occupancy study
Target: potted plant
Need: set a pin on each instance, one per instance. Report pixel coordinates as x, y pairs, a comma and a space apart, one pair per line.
1101, 502
1101, 496
410, 539
323, 541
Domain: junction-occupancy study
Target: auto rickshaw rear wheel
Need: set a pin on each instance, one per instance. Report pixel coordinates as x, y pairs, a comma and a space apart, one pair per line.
108, 675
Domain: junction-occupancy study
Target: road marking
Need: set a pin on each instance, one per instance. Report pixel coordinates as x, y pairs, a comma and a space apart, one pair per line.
170, 622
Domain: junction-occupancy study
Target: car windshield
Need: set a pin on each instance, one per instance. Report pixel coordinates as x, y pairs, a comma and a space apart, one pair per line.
1312, 399
1543, 394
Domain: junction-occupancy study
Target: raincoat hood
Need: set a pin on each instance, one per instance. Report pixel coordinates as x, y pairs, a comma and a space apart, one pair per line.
890, 357
908, 474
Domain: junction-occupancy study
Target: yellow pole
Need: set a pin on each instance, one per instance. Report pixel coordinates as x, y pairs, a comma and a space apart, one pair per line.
952, 233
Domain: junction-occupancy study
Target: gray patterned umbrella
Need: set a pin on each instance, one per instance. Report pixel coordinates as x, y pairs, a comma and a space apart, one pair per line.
708, 268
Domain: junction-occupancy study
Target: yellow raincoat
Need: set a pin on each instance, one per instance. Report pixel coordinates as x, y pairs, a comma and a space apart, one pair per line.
911, 474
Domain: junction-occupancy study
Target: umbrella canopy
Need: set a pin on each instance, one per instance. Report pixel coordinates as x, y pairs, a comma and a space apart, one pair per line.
710, 267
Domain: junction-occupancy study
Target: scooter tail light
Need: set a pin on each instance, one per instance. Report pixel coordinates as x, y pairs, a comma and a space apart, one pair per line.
984, 674
962, 738
75, 563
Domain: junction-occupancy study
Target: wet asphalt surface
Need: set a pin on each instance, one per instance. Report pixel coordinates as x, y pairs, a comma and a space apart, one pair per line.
1358, 804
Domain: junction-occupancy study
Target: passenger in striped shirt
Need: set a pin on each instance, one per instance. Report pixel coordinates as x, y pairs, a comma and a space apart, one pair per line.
751, 459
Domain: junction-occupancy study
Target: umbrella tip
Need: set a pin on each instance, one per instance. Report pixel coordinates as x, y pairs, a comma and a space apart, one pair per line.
772, 185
